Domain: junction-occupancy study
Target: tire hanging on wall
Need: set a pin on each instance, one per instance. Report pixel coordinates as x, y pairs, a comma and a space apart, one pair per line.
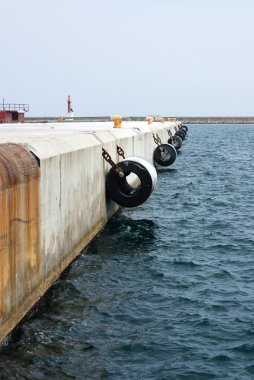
164, 155
130, 194
181, 134
184, 127
176, 141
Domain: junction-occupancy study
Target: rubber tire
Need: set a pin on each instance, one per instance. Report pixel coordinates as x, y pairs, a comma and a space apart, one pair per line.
181, 134
185, 127
177, 142
157, 155
120, 191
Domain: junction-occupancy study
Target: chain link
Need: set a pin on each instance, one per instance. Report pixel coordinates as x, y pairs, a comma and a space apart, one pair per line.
115, 167
157, 139
120, 151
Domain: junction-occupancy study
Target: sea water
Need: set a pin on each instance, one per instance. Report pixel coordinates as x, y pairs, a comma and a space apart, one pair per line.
166, 290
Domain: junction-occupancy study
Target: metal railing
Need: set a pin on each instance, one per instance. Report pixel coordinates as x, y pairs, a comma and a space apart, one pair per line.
14, 107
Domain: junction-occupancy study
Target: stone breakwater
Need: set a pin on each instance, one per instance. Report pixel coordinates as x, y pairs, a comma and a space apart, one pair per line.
215, 120
53, 200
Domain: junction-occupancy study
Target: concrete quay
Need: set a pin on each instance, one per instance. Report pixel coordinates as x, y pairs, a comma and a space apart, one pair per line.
53, 200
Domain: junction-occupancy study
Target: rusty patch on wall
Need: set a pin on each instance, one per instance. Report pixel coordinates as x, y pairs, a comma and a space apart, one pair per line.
17, 165
19, 227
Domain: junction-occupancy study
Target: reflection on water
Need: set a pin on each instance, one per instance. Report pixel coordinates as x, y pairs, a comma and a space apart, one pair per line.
124, 235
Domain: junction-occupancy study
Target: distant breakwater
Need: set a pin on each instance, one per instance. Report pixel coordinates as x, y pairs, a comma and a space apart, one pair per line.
183, 119
216, 120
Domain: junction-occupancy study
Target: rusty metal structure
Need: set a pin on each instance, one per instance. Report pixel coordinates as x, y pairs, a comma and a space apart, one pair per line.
13, 112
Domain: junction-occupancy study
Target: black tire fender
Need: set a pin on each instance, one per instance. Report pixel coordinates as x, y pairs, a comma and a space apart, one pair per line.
125, 194
164, 155
176, 142
181, 134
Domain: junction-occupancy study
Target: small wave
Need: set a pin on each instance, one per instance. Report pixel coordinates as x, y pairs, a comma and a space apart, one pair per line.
176, 195
196, 375
250, 369
208, 173
244, 348
202, 323
221, 274
165, 170
217, 308
221, 358
186, 263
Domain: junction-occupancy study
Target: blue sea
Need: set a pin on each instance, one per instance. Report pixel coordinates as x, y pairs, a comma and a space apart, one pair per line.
166, 290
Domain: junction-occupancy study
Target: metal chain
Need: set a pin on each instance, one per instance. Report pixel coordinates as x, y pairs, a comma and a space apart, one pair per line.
171, 137
120, 151
157, 139
115, 167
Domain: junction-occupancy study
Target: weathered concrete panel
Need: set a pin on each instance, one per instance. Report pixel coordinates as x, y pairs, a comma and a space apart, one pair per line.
20, 265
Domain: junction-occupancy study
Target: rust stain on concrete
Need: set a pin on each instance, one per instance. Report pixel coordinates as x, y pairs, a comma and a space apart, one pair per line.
19, 227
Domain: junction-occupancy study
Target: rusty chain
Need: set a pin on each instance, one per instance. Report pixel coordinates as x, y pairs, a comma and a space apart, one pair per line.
171, 137
115, 167
157, 139
120, 151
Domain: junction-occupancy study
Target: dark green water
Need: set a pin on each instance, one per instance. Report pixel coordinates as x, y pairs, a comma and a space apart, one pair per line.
166, 291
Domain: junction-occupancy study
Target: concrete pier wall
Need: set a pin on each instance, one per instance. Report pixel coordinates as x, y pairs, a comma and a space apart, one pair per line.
53, 200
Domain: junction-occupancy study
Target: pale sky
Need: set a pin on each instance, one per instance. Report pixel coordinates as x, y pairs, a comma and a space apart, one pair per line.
128, 57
